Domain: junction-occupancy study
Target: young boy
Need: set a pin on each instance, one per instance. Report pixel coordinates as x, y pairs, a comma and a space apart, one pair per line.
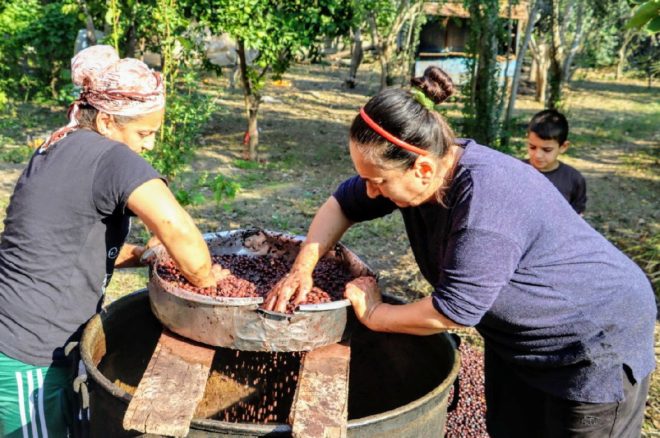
546, 139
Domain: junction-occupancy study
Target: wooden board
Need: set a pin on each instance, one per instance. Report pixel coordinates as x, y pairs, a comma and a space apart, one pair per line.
171, 387
454, 8
320, 405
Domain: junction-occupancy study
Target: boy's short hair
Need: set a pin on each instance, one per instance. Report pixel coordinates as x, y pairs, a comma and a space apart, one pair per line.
550, 125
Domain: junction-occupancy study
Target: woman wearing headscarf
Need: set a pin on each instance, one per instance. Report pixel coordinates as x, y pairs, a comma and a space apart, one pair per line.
65, 232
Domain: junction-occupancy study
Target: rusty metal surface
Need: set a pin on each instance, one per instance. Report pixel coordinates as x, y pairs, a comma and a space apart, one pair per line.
238, 323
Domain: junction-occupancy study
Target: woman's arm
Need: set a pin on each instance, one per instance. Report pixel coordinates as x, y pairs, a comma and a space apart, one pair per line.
327, 227
418, 318
161, 213
129, 256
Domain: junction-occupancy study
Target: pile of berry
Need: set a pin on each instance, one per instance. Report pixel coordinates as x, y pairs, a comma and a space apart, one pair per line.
255, 276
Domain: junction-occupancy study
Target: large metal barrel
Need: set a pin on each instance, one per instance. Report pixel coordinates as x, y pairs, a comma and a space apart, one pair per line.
399, 384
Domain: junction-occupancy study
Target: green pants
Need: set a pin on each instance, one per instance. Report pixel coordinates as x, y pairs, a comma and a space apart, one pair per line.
35, 401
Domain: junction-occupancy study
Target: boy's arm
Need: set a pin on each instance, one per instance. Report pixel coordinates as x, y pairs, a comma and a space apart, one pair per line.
579, 198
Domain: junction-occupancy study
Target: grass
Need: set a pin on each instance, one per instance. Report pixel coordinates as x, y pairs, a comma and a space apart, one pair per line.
25, 123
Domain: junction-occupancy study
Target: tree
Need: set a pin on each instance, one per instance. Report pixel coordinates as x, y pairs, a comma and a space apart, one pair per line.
622, 53
568, 28
646, 17
646, 57
533, 16
481, 93
36, 45
278, 31
386, 19
540, 51
357, 54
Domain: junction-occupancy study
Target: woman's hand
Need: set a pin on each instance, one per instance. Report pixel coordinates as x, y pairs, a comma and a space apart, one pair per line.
297, 284
219, 273
327, 227
364, 295
216, 274
129, 256
151, 251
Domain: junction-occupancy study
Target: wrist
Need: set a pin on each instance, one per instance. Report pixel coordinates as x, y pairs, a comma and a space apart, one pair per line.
304, 265
308, 256
136, 253
372, 317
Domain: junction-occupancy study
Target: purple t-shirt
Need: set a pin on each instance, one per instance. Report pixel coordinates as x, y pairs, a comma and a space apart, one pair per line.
570, 183
508, 255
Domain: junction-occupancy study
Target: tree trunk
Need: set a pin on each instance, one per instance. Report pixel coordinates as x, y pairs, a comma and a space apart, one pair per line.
531, 20
410, 44
131, 34
375, 38
623, 51
253, 130
357, 55
54, 78
131, 41
541, 83
386, 44
507, 64
556, 71
504, 139
583, 22
540, 54
485, 118
251, 106
89, 24
390, 67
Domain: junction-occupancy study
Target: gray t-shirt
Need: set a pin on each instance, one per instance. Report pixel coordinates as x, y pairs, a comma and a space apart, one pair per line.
66, 222
549, 294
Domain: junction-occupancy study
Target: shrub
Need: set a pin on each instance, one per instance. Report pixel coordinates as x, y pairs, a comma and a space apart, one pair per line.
36, 45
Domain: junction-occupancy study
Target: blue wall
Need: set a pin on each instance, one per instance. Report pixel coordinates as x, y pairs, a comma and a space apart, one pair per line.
456, 67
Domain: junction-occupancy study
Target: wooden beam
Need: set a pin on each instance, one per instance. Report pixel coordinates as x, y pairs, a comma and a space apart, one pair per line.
456, 9
171, 387
320, 404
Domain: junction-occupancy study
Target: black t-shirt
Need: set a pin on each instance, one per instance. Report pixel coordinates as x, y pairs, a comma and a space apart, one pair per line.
570, 183
66, 223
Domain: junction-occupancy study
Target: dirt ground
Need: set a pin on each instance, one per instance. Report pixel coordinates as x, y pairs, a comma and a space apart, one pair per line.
303, 131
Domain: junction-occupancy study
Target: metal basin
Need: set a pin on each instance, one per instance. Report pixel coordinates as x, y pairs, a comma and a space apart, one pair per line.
238, 323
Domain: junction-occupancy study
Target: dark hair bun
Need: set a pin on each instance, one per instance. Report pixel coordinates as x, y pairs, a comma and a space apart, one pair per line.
436, 84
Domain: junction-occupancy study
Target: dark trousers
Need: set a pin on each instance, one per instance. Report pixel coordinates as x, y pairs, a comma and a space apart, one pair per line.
516, 410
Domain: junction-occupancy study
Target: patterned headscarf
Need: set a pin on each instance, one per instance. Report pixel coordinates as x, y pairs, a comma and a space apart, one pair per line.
124, 87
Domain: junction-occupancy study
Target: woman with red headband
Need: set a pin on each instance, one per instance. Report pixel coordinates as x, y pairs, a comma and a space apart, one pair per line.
65, 229
567, 319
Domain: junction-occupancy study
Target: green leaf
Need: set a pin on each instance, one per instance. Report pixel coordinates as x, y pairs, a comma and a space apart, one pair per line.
654, 25
198, 199
644, 13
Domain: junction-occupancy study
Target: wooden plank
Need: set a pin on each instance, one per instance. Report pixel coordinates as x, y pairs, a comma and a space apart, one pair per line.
171, 387
320, 404
456, 9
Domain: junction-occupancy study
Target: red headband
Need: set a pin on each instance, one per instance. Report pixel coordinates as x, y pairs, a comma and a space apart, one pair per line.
389, 137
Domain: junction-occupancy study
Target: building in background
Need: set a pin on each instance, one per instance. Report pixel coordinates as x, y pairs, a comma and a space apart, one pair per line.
445, 34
